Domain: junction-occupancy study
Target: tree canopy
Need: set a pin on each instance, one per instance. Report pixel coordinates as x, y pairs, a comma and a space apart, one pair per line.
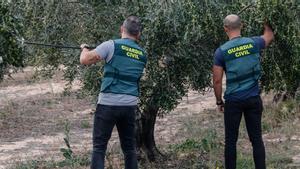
182, 33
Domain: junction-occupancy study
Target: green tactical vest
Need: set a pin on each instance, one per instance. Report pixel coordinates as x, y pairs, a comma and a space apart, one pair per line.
123, 72
242, 62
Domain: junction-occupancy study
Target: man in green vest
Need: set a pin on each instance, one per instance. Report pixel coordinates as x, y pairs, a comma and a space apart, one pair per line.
239, 58
124, 61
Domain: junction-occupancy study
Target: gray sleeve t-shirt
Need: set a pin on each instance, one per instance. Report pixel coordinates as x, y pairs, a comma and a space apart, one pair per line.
106, 51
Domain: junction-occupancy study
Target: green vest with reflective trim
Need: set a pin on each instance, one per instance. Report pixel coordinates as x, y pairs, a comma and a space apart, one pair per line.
242, 62
123, 72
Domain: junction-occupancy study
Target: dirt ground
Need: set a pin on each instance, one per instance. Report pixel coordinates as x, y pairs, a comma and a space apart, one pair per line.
33, 115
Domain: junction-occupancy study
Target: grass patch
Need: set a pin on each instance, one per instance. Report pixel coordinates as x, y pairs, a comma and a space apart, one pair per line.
3, 114
71, 160
280, 115
274, 161
203, 147
85, 124
244, 161
206, 142
209, 142
202, 153
76, 162
28, 165
187, 145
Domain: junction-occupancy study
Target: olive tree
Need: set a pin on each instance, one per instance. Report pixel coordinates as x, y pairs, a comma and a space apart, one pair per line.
10, 51
177, 35
281, 61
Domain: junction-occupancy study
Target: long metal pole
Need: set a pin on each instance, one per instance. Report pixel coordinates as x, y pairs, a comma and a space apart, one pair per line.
55, 46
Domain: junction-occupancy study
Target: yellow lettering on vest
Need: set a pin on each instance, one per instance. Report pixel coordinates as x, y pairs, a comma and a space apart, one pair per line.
132, 50
132, 55
240, 48
242, 53
124, 47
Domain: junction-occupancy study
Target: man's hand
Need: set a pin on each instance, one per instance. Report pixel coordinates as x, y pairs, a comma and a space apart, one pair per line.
88, 57
220, 105
84, 46
217, 82
267, 25
268, 35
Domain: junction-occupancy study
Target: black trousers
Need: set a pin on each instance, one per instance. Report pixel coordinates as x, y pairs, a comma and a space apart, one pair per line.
252, 109
106, 117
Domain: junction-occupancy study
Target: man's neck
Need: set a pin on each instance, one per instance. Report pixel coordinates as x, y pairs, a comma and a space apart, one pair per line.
234, 34
128, 37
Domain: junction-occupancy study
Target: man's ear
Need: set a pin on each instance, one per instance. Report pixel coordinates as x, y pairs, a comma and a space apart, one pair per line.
138, 36
226, 29
242, 25
121, 30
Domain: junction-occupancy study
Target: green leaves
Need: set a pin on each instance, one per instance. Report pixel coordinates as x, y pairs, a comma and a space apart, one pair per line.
67, 152
10, 51
186, 35
179, 37
281, 62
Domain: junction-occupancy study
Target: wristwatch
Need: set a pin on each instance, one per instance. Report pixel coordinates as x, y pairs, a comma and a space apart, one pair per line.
220, 102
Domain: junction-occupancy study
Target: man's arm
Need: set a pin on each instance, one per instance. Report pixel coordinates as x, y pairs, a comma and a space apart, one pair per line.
88, 57
217, 81
268, 35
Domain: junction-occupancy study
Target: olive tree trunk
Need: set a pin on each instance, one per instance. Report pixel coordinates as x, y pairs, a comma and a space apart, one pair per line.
145, 124
283, 96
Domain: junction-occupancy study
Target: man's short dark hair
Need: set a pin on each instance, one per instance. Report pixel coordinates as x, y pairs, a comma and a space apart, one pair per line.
232, 22
133, 25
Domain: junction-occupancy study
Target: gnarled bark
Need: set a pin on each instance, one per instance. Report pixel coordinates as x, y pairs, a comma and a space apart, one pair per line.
283, 96
145, 133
